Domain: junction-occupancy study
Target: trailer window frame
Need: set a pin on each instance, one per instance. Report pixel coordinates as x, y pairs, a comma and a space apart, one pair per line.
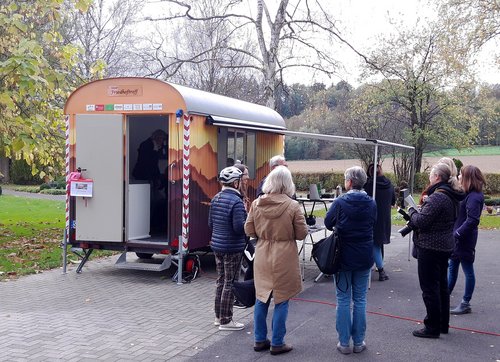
237, 144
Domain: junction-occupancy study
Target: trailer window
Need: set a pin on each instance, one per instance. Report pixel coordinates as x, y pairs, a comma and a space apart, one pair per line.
239, 146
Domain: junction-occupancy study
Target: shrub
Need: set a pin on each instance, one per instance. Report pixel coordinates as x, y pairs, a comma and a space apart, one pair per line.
33, 189
492, 201
44, 186
53, 192
492, 183
329, 180
20, 173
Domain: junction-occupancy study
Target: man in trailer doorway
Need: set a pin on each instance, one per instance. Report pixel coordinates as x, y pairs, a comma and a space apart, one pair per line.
146, 168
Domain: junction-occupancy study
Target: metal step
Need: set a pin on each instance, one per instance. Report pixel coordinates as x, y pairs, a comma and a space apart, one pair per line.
148, 265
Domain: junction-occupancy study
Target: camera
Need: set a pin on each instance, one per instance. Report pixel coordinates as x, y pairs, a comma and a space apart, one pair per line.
403, 193
405, 230
403, 213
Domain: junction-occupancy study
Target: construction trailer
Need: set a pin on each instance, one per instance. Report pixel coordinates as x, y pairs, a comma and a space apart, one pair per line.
107, 208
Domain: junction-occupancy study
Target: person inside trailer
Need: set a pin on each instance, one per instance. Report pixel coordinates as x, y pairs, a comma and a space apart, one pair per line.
146, 168
149, 153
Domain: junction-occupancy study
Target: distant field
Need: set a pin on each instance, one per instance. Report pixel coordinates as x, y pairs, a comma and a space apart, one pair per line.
476, 151
487, 163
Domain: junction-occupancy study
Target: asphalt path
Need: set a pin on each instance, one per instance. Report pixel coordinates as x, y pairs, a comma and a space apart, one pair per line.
395, 308
33, 195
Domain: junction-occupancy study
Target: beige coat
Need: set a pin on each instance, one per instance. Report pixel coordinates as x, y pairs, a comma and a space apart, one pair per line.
277, 222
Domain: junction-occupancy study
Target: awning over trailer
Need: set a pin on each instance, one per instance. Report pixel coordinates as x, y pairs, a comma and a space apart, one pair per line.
344, 139
229, 112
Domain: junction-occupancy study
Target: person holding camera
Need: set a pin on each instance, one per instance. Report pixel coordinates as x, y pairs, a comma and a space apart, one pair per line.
354, 215
434, 224
472, 181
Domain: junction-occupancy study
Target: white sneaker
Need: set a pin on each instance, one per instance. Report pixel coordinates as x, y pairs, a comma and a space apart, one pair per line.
342, 349
359, 348
231, 326
217, 322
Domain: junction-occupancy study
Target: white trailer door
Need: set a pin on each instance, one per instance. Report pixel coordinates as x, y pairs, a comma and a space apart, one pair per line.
99, 150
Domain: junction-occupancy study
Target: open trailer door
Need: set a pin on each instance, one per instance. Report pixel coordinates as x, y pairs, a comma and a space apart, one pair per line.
99, 153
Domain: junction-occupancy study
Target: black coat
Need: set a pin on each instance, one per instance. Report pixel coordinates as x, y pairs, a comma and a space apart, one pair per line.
435, 220
385, 198
146, 167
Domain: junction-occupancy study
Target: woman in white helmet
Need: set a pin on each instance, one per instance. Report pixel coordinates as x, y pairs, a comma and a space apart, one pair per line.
226, 218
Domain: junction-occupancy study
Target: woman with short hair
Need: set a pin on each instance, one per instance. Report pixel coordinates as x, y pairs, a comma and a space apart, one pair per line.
277, 221
353, 214
466, 228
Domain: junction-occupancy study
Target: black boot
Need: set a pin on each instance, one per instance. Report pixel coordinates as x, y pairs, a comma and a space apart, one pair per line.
382, 275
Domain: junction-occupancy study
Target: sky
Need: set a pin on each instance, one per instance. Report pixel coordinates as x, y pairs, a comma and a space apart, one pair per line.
361, 22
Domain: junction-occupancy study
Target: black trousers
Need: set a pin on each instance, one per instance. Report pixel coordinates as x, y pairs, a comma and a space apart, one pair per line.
433, 278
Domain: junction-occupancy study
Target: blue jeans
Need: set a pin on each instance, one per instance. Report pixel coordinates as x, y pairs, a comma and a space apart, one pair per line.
351, 285
470, 278
278, 325
377, 256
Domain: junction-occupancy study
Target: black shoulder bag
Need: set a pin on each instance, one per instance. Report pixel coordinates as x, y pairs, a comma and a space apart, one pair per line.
244, 291
326, 252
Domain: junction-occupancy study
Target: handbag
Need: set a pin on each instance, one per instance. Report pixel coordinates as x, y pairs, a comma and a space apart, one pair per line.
244, 291
326, 252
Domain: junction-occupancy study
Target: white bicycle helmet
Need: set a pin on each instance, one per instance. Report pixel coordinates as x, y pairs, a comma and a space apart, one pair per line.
230, 174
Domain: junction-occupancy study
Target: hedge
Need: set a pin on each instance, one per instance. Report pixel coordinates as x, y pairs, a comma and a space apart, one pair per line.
330, 180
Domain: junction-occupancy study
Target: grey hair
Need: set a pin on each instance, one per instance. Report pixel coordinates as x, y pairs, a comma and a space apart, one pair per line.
357, 176
276, 161
451, 164
445, 173
279, 181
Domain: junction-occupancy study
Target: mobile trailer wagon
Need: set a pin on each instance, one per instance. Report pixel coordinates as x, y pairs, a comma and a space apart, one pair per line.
108, 208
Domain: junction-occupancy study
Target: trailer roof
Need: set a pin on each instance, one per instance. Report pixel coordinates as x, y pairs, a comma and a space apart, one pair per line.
226, 111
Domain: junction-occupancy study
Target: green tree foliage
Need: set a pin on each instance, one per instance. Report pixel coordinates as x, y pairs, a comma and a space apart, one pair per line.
471, 22
430, 85
33, 67
488, 109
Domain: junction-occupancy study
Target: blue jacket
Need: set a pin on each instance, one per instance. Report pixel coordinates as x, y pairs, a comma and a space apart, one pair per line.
355, 223
465, 229
227, 218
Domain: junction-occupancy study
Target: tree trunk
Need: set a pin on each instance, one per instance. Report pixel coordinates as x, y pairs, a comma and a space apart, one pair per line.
4, 170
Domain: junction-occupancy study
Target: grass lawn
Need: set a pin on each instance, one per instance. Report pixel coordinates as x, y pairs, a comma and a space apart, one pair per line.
31, 231
476, 151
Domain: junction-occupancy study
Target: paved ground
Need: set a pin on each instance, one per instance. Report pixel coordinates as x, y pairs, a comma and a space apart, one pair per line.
111, 314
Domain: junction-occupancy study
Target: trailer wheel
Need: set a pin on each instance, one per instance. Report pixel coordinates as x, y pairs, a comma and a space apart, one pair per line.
144, 255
